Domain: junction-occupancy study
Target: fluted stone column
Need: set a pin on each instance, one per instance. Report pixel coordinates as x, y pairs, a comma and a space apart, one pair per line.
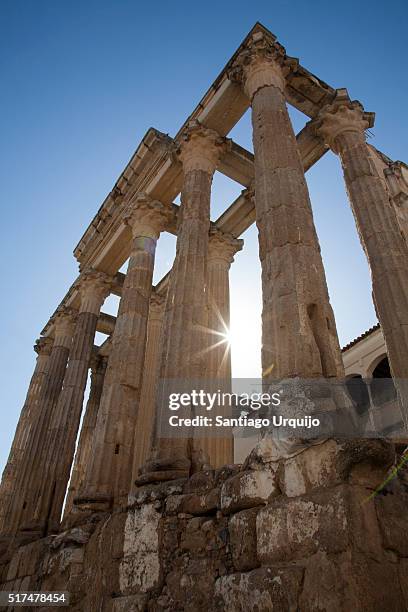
221, 251
222, 248
342, 125
184, 354
397, 182
82, 457
145, 420
108, 475
27, 422
30, 476
56, 461
299, 335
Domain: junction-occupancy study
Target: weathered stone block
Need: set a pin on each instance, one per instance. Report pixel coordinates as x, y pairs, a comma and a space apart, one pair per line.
227, 471
290, 529
350, 582
246, 490
27, 583
130, 603
12, 571
116, 534
403, 579
202, 481
75, 536
194, 539
263, 589
193, 503
101, 563
154, 492
63, 559
3, 572
28, 559
364, 462
391, 506
140, 567
191, 588
242, 531
327, 519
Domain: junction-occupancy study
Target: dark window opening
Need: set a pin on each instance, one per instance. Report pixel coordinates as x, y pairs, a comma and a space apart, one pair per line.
358, 391
382, 385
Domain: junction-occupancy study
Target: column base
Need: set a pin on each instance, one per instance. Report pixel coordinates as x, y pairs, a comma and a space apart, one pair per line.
26, 535
94, 502
39, 529
164, 469
161, 476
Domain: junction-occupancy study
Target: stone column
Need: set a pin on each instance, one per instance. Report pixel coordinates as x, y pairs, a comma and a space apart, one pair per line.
342, 125
185, 339
396, 176
222, 248
27, 421
82, 457
56, 461
299, 336
108, 475
30, 477
145, 420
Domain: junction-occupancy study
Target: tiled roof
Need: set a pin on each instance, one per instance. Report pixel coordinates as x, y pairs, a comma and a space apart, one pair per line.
364, 335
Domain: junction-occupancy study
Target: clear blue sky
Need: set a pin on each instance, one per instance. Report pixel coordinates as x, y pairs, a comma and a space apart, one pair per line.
81, 83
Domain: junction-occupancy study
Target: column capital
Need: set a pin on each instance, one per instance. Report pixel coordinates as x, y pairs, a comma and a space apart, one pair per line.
222, 247
105, 349
43, 345
97, 361
64, 325
397, 183
342, 115
200, 148
93, 288
263, 62
156, 308
249, 193
147, 217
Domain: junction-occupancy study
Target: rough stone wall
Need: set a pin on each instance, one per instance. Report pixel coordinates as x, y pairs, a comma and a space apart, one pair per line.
297, 535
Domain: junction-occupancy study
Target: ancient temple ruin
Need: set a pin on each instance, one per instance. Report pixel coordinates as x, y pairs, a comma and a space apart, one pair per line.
123, 519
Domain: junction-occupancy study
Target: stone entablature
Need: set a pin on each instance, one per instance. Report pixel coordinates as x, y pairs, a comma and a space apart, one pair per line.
152, 168
149, 154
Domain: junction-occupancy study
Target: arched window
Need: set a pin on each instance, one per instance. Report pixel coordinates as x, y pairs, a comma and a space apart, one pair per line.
382, 385
358, 391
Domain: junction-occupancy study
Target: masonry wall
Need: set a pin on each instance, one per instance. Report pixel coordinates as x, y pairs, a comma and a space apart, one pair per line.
294, 535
